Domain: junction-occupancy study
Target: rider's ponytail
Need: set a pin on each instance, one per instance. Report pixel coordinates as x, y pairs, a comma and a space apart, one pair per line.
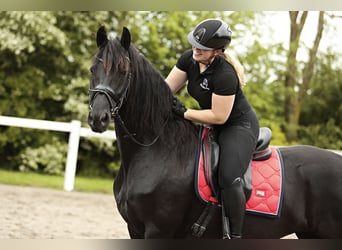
237, 66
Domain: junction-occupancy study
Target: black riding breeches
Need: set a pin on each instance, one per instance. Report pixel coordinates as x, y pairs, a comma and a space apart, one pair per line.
237, 144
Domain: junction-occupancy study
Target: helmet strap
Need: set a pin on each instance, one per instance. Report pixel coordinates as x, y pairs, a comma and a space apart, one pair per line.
211, 58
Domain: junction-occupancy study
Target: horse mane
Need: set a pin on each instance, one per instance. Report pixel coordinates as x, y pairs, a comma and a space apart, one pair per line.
148, 106
150, 95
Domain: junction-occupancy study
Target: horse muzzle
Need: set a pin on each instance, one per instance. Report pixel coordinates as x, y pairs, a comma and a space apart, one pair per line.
99, 121
102, 108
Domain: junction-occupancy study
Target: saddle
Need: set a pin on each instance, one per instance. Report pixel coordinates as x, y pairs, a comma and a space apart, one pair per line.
263, 194
210, 151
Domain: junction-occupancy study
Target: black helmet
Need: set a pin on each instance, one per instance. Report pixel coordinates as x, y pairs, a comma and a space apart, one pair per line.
210, 34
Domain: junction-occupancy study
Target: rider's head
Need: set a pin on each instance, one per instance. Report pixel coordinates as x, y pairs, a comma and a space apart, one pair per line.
210, 34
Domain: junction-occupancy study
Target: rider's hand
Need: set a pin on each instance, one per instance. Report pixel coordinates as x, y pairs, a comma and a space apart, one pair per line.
178, 108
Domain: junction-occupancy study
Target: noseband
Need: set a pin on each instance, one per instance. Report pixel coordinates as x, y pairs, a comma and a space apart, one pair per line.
111, 97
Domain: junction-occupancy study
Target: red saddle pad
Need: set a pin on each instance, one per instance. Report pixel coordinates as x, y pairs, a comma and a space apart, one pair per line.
267, 183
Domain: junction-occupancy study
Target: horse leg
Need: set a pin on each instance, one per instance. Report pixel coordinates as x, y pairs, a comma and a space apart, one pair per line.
133, 234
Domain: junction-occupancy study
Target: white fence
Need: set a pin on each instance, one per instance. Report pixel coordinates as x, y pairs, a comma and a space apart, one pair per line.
75, 130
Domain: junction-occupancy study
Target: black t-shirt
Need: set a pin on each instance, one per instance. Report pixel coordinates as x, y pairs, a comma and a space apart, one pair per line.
219, 78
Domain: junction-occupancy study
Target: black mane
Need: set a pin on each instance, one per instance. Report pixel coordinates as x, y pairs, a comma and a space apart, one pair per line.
149, 94
148, 106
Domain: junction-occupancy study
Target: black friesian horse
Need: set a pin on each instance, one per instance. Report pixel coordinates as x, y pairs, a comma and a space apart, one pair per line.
154, 189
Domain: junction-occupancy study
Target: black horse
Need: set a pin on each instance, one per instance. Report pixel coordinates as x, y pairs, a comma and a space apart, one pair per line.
154, 188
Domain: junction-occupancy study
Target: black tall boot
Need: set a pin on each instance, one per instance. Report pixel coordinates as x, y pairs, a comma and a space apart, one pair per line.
234, 204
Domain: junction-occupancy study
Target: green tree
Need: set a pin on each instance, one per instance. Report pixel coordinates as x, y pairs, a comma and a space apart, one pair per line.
321, 117
33, 52
45, 57
44, 70
296, 83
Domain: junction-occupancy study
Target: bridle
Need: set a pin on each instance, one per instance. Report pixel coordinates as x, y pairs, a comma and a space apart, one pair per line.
111, 97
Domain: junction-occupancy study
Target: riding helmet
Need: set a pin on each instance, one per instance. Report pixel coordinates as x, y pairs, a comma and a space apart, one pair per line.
210, 34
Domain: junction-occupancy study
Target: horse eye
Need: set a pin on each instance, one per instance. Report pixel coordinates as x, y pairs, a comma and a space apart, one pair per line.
122, 71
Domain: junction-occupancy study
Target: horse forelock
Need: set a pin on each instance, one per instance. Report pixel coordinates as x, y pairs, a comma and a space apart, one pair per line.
114, 57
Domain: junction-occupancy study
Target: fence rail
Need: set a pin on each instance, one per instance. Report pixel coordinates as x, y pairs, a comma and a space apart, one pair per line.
75, 132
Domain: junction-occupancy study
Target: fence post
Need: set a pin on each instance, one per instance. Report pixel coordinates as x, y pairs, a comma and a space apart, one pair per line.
70, 169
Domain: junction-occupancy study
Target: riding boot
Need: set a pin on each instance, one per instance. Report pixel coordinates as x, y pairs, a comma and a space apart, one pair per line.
234, 204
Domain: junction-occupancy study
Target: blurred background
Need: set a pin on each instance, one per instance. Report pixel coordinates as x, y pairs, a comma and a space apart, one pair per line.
292, 62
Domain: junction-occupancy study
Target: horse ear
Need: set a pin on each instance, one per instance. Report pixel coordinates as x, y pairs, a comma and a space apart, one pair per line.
101, 37
125, 38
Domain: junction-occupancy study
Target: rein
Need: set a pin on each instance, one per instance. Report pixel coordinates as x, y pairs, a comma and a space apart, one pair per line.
131, 136
114, 110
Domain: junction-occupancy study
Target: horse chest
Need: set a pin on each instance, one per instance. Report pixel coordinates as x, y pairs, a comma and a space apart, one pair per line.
135, 191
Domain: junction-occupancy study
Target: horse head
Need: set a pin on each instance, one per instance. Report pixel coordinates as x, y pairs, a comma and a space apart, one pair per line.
110, 78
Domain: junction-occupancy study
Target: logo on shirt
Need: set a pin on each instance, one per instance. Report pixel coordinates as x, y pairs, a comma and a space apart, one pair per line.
204, 84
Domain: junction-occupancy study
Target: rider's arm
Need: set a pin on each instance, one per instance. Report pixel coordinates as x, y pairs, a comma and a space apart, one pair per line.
221, 107
176, 79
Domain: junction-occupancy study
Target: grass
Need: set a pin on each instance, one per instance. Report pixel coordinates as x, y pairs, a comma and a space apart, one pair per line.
84, 184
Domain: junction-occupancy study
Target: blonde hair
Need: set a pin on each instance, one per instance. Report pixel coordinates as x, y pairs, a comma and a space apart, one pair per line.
237, 66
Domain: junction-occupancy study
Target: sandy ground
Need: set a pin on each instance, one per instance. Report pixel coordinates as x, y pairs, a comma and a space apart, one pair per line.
39, 213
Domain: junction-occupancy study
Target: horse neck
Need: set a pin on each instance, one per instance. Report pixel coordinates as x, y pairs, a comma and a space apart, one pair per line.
147, 115
148, 105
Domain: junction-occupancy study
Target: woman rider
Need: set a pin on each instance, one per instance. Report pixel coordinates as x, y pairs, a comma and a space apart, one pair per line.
214, 83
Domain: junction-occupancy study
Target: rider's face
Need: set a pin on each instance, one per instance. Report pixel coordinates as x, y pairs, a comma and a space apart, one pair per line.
202, 55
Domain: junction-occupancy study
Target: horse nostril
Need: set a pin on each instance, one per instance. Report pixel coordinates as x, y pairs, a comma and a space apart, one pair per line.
90, 119
104, 119
99, 121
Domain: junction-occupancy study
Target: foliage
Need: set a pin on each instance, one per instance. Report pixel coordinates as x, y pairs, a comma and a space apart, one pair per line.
323, 136
48, 159
44, 76
321, 118
98, 157
264, 65
44, 70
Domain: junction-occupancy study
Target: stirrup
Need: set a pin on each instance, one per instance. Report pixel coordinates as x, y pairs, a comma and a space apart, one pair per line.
226, 237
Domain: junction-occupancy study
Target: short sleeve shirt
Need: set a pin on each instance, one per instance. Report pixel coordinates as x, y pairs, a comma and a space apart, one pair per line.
219, 78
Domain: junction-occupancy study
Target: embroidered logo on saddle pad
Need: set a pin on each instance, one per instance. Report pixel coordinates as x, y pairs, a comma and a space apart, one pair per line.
267, 185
